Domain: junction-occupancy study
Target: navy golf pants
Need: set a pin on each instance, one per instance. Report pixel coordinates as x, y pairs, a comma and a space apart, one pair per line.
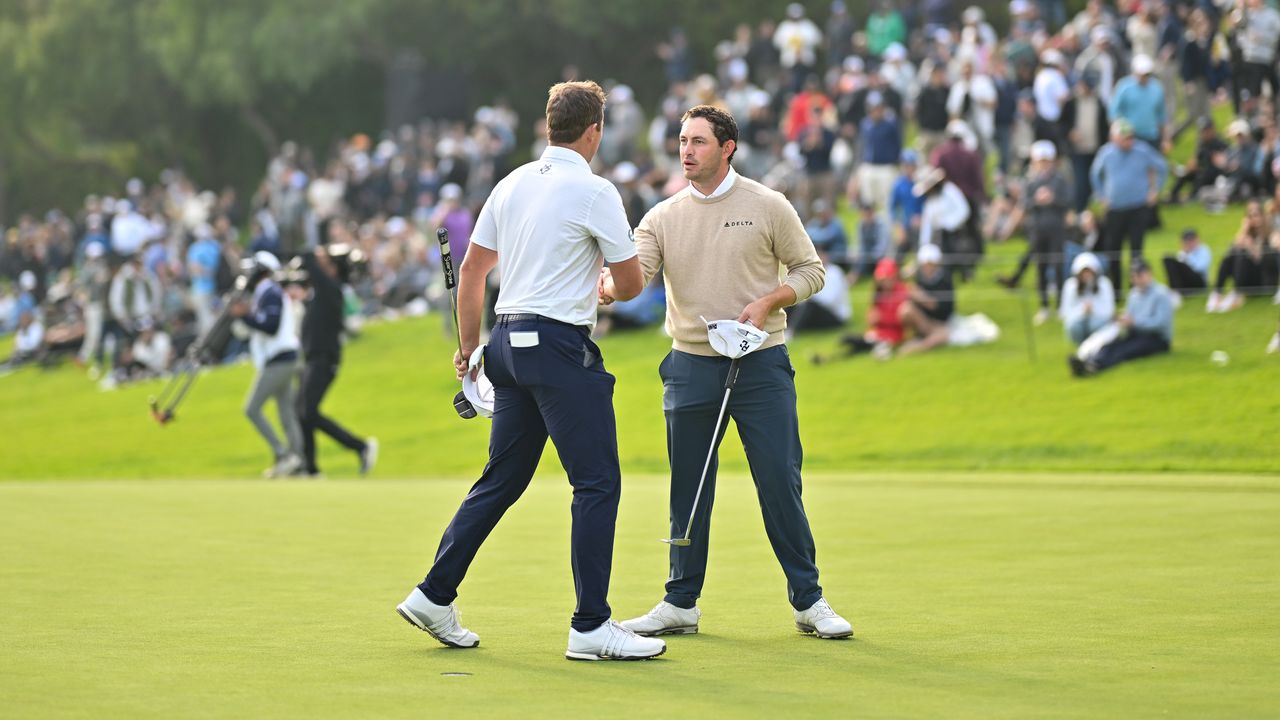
558, 387
763, 405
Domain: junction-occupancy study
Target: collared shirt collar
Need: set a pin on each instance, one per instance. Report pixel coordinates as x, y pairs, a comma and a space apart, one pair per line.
725, 186
556, 152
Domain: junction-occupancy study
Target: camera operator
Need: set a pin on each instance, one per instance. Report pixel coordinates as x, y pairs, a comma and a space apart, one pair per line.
323, 322
273, 344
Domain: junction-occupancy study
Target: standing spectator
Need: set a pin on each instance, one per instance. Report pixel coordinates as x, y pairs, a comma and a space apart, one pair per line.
1088, 300
819, 181
203, 259
1188, 271
1195, 70
1006, 110
931, 111
964, 168
973, 99
905, 206
1258, 35
1127, 176
880, 141
455, 217
885, 27
1099, 61
134, 295
1046, 207
1051, 88
797, 39
1084, 122
129, 230
840, 28
95, 282
870, 239
1139, 99
1145, 328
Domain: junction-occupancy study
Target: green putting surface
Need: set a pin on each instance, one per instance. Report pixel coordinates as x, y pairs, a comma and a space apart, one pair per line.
971, 595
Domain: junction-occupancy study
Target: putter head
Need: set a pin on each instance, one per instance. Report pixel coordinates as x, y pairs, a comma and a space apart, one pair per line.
463, 406
160, 416
678, 542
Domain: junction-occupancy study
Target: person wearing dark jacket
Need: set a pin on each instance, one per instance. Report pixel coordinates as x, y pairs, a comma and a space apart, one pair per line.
322, 327
1085, 127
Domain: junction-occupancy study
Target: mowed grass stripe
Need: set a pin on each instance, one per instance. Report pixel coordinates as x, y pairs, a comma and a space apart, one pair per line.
971, 595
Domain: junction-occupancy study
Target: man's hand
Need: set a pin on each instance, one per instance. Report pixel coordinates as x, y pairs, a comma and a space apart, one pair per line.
1153, 197
1126, 321
757, 312
1088, 307
461, 361
1044, 195
604, 286
238, 309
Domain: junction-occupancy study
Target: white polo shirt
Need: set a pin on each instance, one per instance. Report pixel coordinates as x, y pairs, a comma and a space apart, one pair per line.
553, 222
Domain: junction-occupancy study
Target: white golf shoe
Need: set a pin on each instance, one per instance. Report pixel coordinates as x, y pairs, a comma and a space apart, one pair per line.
612, 641
442, 622
822, 621
665, 619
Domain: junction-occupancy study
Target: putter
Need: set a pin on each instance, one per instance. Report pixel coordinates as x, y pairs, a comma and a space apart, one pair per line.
460, 402
711, 451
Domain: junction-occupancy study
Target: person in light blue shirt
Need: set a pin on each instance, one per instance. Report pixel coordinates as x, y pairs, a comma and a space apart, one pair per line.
1188, 271
1145, 327
202, 267
1127, 176
1139, 98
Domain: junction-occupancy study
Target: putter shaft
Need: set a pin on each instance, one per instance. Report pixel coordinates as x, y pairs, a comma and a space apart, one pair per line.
729, 382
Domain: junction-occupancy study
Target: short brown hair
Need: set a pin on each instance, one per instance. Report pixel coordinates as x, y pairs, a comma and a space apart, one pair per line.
723, 125
571, 108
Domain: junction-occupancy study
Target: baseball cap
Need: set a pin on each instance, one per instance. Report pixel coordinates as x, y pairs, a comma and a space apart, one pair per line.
910, 157
1043, 150
1142, 64
1086, 261
957, 128
895, 51
93, 250
929, 254
886, 268
451, 192
1139, 265
1052, 57
1238, 127
1122, 127
1190, 234
265, 259
874, 99
27, 280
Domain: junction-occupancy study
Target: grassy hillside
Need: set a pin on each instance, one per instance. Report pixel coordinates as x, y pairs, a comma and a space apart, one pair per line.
1010, 405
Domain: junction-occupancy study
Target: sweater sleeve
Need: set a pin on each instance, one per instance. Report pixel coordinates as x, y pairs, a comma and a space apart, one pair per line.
648, 249
794, 249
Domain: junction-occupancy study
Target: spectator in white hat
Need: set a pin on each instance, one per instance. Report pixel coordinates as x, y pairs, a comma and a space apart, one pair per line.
931, 303
1258, 35
1051, 88
1100, 60
1088, 299
1139, 99
1047, 209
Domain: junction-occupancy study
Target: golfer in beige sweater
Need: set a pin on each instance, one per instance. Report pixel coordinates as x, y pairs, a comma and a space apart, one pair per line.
730, 248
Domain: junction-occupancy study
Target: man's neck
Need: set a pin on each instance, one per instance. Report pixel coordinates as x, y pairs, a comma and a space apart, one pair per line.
711, 185
579, 147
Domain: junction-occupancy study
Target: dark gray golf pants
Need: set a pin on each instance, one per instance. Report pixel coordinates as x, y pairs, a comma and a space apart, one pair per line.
763, 406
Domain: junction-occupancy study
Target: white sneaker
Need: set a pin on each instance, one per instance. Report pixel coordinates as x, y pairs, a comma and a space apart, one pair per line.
665, 619
822, 621
1176, 299
1274, 346
1276, 300
285, 466
442, 622
1213, 303
1232, 301
369, 456
1042, 316
612, 641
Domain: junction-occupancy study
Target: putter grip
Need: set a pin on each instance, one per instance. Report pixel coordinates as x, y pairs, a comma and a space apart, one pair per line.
732, 376
446, 259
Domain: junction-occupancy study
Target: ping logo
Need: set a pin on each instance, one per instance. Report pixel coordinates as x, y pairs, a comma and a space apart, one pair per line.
546, 168
738, 223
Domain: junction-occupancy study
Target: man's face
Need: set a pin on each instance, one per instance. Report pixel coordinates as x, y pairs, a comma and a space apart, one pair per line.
1125, 142
701, 155
1142, 279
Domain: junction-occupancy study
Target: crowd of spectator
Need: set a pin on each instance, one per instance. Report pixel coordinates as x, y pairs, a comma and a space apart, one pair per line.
935, 133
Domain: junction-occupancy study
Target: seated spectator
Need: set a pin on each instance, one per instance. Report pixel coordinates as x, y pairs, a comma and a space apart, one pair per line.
150, 355
1209, 163
1088, 300
828, 308
1251, 263
827, 233
27, 341
1145, 328
1188, 271
884, 321
1244, 161
931, 303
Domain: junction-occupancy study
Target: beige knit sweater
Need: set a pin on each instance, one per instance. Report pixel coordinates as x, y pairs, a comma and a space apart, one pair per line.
722, 254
